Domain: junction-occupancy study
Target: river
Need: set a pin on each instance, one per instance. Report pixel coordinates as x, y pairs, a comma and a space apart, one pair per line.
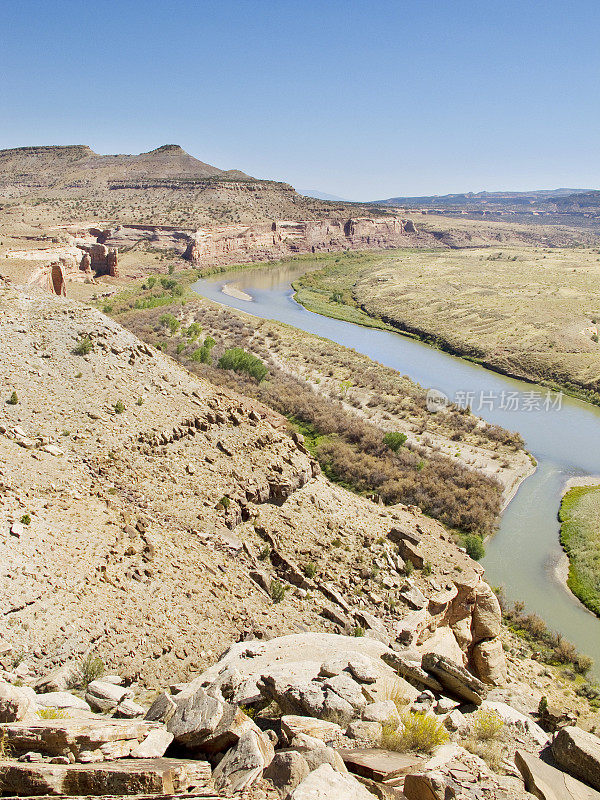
562, 434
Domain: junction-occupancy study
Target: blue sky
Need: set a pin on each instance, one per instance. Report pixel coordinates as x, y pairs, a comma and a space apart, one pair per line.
360, 99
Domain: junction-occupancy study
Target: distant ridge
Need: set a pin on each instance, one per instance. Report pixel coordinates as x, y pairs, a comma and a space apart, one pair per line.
538, 199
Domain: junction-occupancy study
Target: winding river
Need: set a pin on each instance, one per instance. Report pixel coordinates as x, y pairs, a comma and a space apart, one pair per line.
525, 552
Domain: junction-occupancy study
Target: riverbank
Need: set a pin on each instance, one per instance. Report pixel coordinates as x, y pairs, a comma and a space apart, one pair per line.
579, 515
530, 327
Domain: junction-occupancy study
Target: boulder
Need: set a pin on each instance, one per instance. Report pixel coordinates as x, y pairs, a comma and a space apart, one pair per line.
56, 681
325, 783
128, 709
454, 678
15, 703
154, 745
489, 662
368, 732
383, 711
578, 753
162, 709
323, 754
518, 721
157, 776
105, 696
84, 739
244, 763
287, 769
486, 620
411, 671
428, 786
61, 700
292, 725
547, 783
205, 722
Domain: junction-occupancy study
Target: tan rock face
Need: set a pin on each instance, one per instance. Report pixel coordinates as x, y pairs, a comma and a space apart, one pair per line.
15, 704
578, 753
489, 661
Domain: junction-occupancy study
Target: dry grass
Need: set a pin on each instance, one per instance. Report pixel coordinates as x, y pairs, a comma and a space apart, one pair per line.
525, 310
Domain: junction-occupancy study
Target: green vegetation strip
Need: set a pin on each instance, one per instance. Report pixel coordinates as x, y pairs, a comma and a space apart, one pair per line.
580, 537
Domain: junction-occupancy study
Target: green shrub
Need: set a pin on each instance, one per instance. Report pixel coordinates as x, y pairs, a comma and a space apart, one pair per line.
13, 399
119, 407
151, 281
474, 546
194, 330
409, 568
180, 348
395, 440
310, 569
52, 713
140, 401
264, 552
83, 347
239, 360
26, 519
170, 322
358, 631
487, 725
422, 733
224, 502
278, 590
87, 670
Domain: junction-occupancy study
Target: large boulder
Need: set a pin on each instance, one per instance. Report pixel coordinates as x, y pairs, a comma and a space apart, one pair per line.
578, 753
15, 703
198, 720
244, 763
105, 696
61, 700
454, 678
489, 662
287, 769
325, 783
158, 776
547, 783
84, 740
293, 725
487, 615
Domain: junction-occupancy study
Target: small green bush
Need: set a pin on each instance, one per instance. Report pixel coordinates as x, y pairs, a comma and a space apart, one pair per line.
170, 322
358, 631
278, 590
194, 330
487, 725
422, 733
52, 713
224, 502
151, 281
140, 401
239, 360
395, 440
87, 670
13, 399
26, 519
84, 346
310, 569
119, 407
474, 546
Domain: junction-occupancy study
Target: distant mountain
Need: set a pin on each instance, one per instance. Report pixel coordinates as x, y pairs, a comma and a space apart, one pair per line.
321, 195
26, 169
540, 200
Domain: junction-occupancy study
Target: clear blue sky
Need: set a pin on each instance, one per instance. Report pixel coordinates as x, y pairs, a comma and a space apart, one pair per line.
360, 99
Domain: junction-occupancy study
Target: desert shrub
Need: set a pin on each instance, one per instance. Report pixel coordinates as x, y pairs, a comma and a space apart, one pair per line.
277, 590
170, 322
119, 407
224, 502
13, 399
151, 281
6, 750
487, 725
310, 569
395, 440
140, 401
474, 547
419, 733
52, 713
194, 330
203, 354
239, 360
26, 519
358, 631
264, 552
83, 347
87, 670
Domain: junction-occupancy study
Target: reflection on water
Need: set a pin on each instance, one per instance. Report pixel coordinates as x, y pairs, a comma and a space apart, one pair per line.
565, 441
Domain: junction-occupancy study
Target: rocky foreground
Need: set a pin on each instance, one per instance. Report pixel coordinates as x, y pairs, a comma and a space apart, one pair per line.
152, 522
